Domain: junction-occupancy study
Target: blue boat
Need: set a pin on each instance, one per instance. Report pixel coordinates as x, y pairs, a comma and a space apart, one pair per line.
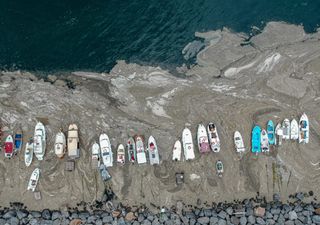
256, 139
270, 131
18, 141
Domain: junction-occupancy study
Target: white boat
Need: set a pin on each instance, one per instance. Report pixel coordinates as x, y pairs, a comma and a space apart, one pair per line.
121, 157
28, 154
95, 158
34, 180
202, 137
286, 129
264, 141
279, 133
73, 142
304, 129
106, 150
187, 143
176, 152
141, 154
238, 142
294, 130
60, 144
39, 141
153, 151
213, 137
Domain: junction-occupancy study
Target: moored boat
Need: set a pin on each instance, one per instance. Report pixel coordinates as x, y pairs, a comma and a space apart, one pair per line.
256, 139
153, 151
95, 158
121, 157
176, 152
304, 129
39, 141
270, 131
28, 155
213, 137
141, 154
60, 144
34, 180
131, 148
219, 168
187, 143
279, 134
8, 147
202, 137
294, 132
106, 150
286, 129
18, 141
238, 142
73, 142
264, 141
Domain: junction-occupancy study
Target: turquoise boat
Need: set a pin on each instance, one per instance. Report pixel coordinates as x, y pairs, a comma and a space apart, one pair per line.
256, 139
270, 131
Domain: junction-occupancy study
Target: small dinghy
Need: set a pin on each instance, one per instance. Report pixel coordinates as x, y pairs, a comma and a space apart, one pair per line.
34, 180
153, 151
141, 154
8, 147
106, 151
203, 142
304, 129
121, 157
73, 142
39, 141
28, 155
219, 168
286, 129
18, 141
294, 132
105, 175
264, 141
131, 148
279, 133
95, 158
60, 144
213, 137
256, 139
176, 152
238, 142
187, 142
270, 131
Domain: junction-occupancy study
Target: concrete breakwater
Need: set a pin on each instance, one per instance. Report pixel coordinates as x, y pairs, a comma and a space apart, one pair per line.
302, 208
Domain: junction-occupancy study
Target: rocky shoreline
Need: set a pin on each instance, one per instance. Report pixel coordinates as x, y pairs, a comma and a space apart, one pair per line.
302, 208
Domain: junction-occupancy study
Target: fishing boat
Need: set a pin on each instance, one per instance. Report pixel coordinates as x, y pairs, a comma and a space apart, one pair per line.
141, 154
121, 157
238, 142
187, 143
202, 137
304, 129
28, 155
105, 175
279, 134
131, 148
213, 137
106, 150
39, 141
264, 141
256, 139
60, 144
34, 180
73, 142
270, 131
219, 168
95, 158
18, 141
176, 152
8, 147
294, 132
286, 129
153, 151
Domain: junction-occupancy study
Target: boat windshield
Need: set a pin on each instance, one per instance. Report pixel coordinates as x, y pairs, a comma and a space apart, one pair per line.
105, 154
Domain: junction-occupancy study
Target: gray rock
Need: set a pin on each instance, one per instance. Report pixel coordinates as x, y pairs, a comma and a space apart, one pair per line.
260, 221
207, 212
9, 214
286, 208
146, 222
300, 196
14, 221
298, 208
289, 222
56, 215
46, 222
56, 222
309, 207
74, 215
275, 211
177, 222
229, 210
136, 223
91, 219
276, 197
203, 220
140, 217
22, 214
214, 220
185, 220
316, 219
306, 213
192, 221
293, 215
281, 219
298, 222
222, 214
107, 219
270, 221
275, 217
150, 217
121, 221
84, 215
65, 214
252, 219
99, 222
222, 222
197, 212
269, 215
156, 222
243, 220
46, 214
65, 221
234, 220
249, 212
33, 222
190, 215
2, 221
36, 214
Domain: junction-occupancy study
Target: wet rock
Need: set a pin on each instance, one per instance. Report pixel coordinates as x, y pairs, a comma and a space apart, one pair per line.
203, 220
293, 215
252, 219
261, 221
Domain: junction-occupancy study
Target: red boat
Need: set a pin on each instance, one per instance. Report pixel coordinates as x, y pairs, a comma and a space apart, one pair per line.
8, 147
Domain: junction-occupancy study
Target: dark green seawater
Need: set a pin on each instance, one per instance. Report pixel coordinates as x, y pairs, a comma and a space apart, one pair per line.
71, 35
